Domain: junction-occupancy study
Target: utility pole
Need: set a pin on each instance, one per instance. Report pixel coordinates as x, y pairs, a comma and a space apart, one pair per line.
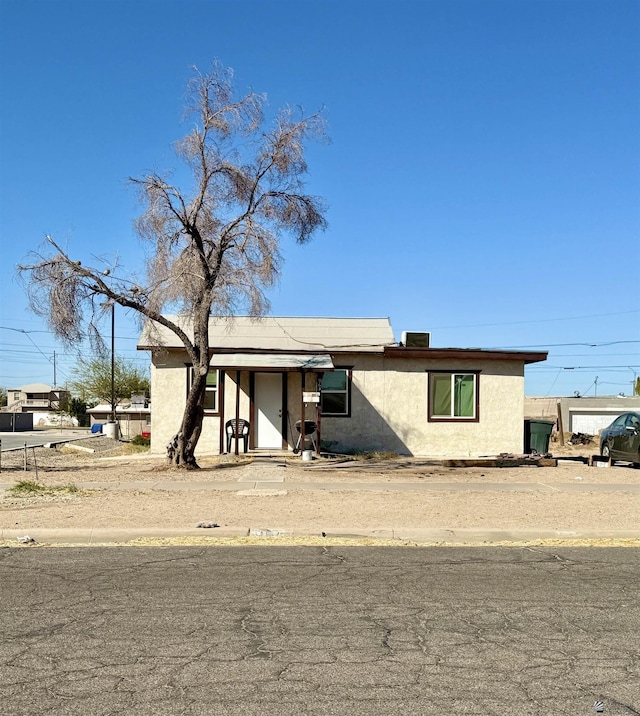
595, 382
113, 362
55, 381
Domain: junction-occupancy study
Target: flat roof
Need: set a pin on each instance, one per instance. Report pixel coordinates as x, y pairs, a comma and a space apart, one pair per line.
35, 388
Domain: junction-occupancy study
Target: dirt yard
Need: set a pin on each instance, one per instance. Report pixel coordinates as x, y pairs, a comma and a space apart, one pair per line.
158, 500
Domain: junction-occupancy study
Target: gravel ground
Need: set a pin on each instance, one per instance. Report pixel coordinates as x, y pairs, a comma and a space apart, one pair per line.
317, 510
66, 455
292, 508
113, 461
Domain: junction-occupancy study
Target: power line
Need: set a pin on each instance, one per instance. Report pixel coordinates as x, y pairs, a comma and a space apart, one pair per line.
51, 333
560, 345
66, 356
605, 368
590, 355
22, 330
538, 320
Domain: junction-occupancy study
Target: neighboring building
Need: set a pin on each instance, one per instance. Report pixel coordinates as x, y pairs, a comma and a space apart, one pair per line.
133, 417
581, 414
374, 393
36, 398
15, 422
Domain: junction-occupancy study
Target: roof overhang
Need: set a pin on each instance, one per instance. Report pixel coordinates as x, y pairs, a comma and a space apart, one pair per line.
464, 354
272, 361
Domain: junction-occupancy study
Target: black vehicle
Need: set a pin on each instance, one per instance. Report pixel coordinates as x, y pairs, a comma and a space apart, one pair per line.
621, 440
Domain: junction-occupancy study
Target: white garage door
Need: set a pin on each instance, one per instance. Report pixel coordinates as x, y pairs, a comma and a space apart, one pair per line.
590, 423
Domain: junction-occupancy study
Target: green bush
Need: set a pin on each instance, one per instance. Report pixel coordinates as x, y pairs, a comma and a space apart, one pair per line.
139, 440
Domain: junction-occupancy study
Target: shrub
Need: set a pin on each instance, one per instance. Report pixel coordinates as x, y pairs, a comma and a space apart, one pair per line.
28, 488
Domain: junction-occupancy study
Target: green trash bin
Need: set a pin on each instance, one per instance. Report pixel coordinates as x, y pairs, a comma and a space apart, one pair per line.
536, 436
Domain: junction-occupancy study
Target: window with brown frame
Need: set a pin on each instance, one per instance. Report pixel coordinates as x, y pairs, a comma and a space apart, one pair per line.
453, 396
335, 393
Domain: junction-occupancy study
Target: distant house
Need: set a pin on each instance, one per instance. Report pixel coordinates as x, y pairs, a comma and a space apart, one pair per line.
133, 417
372, 392
588, 415
36, 398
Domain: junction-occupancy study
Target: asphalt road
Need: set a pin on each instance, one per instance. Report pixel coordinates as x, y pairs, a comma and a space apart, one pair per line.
284, 631
38, 438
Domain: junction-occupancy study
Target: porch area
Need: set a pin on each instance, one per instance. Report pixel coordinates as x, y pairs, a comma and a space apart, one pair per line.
269, 404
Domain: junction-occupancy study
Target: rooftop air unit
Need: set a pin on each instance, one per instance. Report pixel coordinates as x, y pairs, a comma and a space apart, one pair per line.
415, 339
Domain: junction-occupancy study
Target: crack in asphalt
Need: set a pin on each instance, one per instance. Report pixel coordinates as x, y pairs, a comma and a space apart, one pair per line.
401, 634
326, 552
627, 707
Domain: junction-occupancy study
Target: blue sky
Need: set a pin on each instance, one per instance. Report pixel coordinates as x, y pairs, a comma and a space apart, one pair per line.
482, 180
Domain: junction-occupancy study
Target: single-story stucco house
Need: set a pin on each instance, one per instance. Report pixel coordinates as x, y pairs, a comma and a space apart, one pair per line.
133, 417
360, 388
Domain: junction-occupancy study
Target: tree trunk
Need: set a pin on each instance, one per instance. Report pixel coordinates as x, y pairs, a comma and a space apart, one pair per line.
181, 449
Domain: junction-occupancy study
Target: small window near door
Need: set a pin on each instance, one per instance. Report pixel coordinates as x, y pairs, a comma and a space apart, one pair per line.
211, 392
335, 398
453, 396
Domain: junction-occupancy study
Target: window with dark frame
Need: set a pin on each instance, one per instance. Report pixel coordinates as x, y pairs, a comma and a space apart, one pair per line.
453, 395
210, 391
335, 393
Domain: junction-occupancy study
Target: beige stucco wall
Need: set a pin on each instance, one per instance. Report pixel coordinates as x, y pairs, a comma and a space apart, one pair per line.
169, 390
388, 407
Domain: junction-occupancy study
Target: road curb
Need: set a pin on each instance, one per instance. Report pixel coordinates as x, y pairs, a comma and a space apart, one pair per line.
118, 534
400, 535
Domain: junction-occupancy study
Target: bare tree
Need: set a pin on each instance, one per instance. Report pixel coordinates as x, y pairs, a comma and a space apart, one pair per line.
213, 249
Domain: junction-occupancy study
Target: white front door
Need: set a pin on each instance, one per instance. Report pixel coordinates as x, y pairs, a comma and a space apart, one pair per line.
268, 396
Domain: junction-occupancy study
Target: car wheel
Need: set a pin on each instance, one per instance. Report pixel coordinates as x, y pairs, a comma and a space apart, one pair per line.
606, 451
